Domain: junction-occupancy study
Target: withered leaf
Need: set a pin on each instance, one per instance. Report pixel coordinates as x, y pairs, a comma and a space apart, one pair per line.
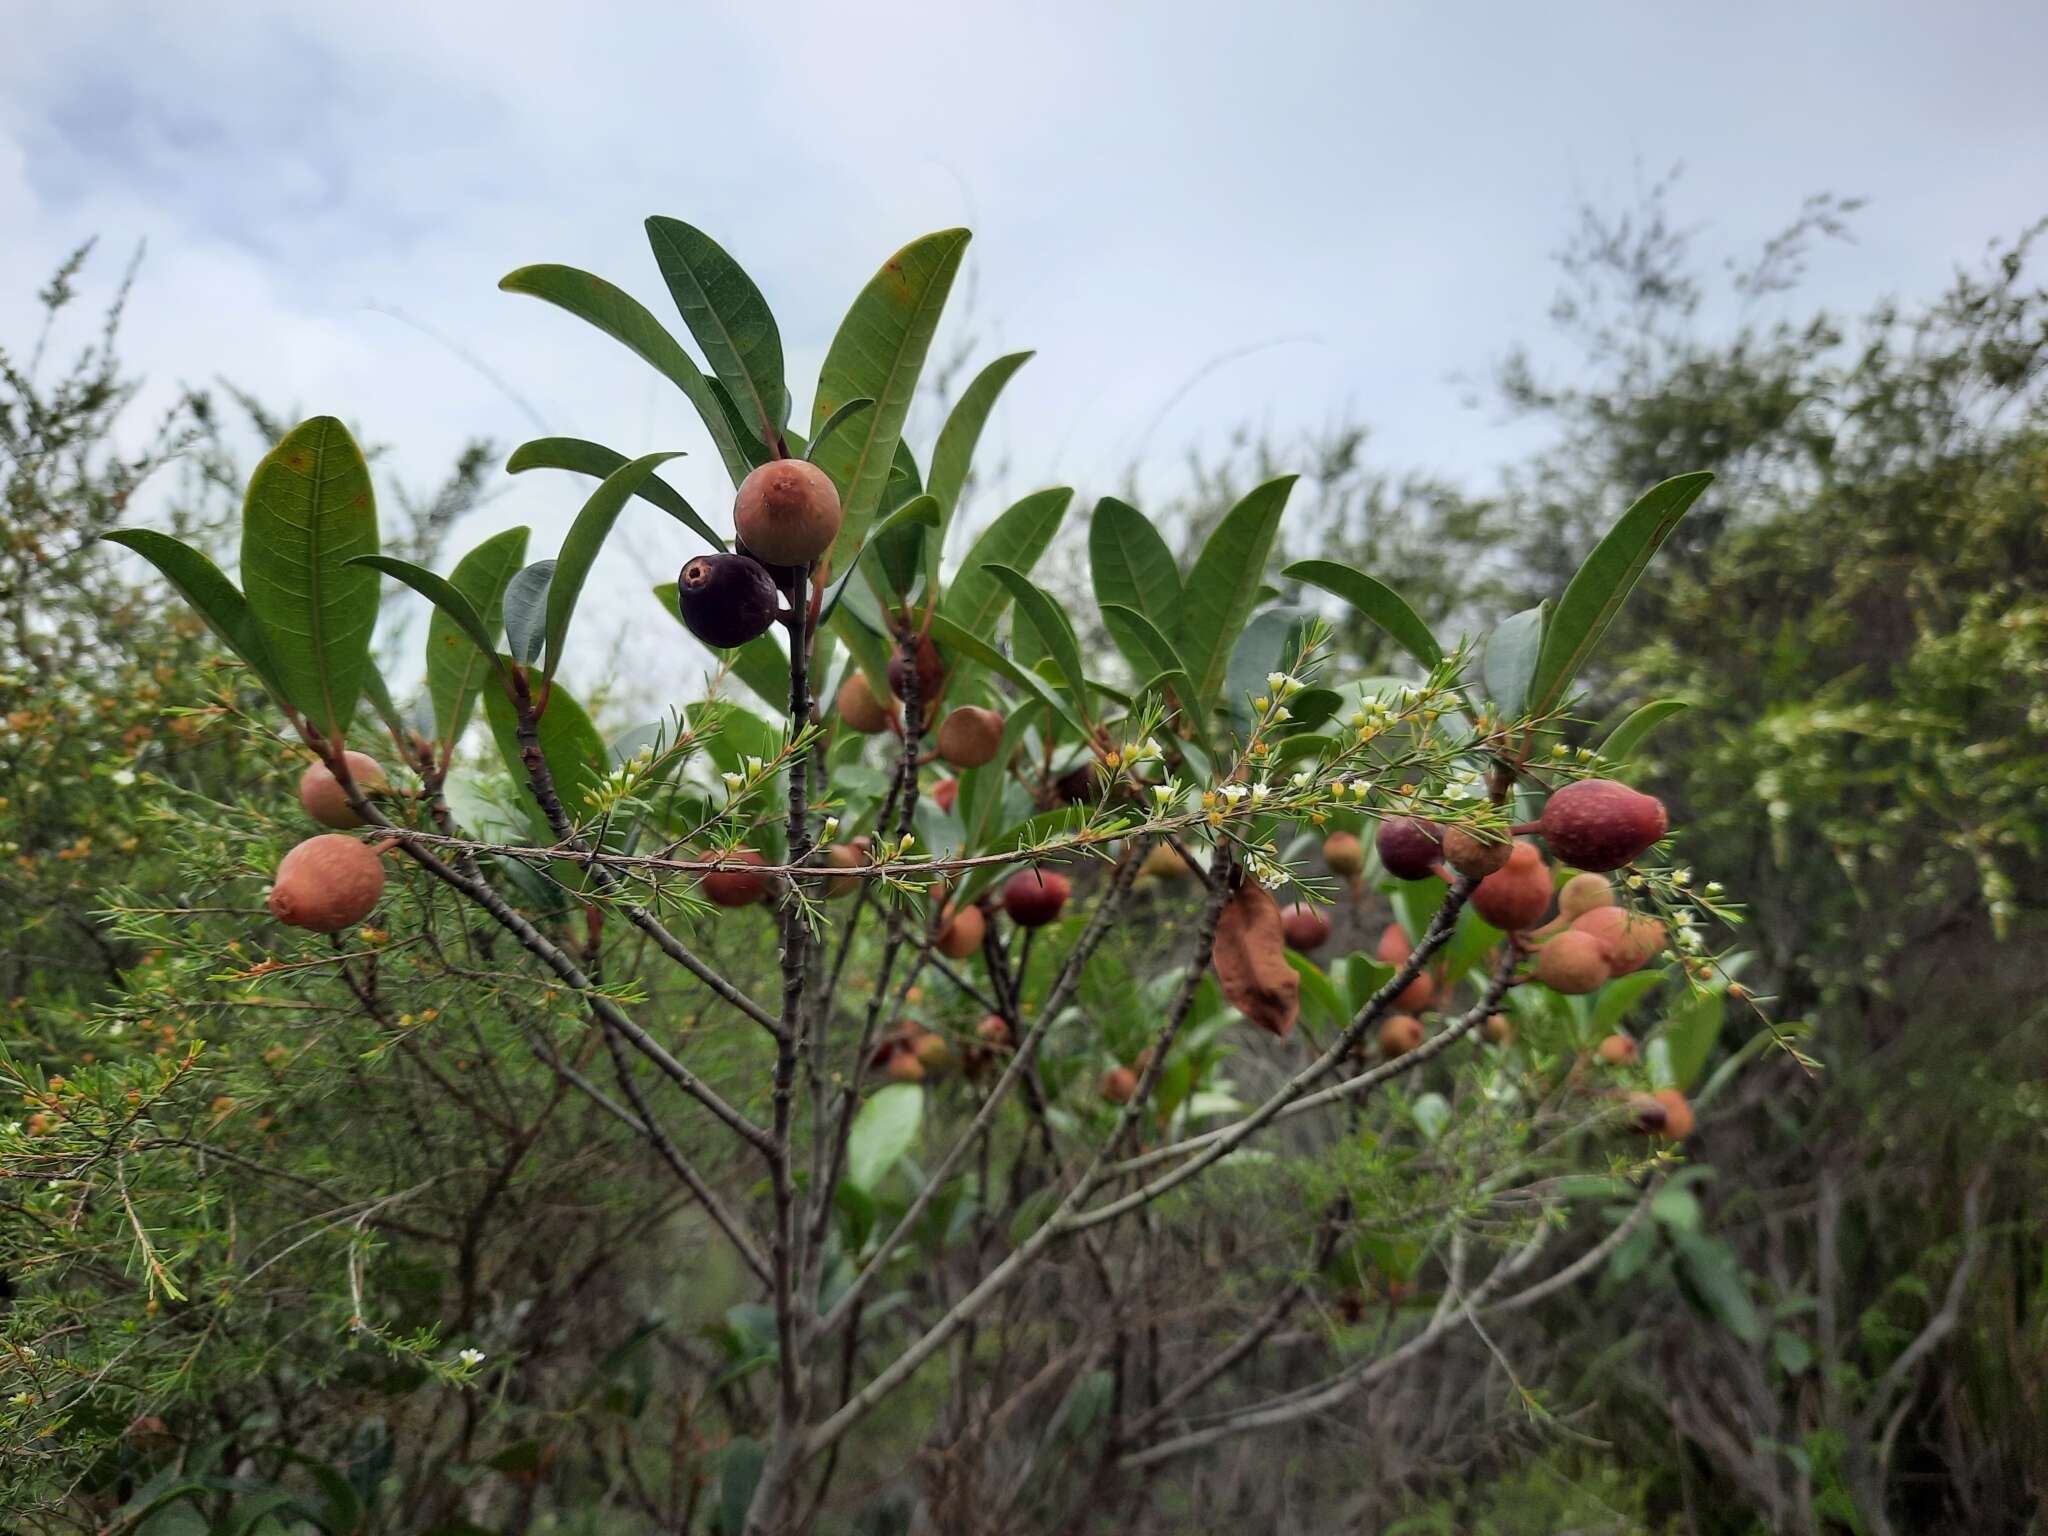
1251, 961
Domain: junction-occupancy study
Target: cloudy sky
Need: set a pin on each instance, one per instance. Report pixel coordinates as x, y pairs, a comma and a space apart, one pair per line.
1352, 203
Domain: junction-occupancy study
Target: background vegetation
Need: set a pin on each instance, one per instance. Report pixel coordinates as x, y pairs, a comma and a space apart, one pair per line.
1835, 1324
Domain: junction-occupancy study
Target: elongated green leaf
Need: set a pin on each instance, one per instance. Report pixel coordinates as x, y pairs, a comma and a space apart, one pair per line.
1604, 582
1224, 586
436, 590
587, 534
1627, 736
1270, 643
456, 668
598, 461
879, 353
1131, 565
378, 692
964, 642
1318, 989
920, 513
953, 454
834, 422
976, 599
1691, 1030
309, 511
729, 318
526, 610
1510, 660
625, 319
884, 1130
213, 597
1055, 631
1375, 601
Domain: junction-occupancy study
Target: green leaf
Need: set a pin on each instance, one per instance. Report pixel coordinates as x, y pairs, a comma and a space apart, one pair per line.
729, 318
598, 461
898, 542
586, 537
833, 423
1132, 567
213, 597
574, 752
919, 512
738, 1477
309, 511
625, 319
1224, 585
436, 590
884, 1130
966, 643
1615, 999
526, 610
1604, 582
1376, 602
455, 670
1318, 989
761, 663
953, 453
378, 692
878, 354
976, 599
1271, 643
1151, 656
1054, 630
1627, 736
1510, 659
1691, 1030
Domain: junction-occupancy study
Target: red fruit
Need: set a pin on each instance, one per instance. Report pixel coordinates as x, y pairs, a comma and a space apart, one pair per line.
1118, 1084
327, 883
1646, 1113
929, 670
1597, 824
787, 512
1618, 1050
1344, 853
1678, 1118
1473, 856
1500, 1029
1394, 946
320, 792
1629, 940
960, 932
1401, 1034
904, 1065
993, 1031
859, 707
1515, 896
1573, 963
946, 794
970, 736
1410, 847
1418, 994
1080, 786
738, 887
1034, 897
1305, 926
1581, 894
843, 856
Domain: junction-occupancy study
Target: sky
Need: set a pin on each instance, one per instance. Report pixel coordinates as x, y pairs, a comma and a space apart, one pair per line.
1200, 214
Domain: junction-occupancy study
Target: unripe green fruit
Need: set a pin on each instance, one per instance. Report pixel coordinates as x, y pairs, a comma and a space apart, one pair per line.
1410, 847
738, 887
326, 884
1034, 897
320, 792
1573, 963
1581, 894
1401, 1034
960, 932
788, 512
1619, 1050
726, 600
1598, 825
1473, 856
970, 736
1344, 853
1305, 926
1629, 939
1515, 896
1119, 1084
859, 707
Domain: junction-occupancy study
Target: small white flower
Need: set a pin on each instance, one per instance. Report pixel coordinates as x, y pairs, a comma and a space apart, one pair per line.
903, 844
732, 782
471, 1357
831, 826
1233, 792
1259, 792
1283, 714
1713, 888
1681, 877
1163, 794
122, 777
1301, 779
754, 767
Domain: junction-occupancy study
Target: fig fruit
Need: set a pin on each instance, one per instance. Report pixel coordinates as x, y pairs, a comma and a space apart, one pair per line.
843, 856
970, 736
946, 795
1475, 856
1573, 963
932, 1051
993, 1031
1500, 1029
1401, 1034
1163, 863
788, 512
1410, 847
1646, 1113
1678, 1117
1080, 786
904, 1065
726, 600
923, 663
859, 707
1598, 825
1418, 994
1034, 897
1630, 940
320, 792
1581, 894
1345, 854
326, 884
1250, 959
1306, 927
960, 932
738, 887
1394, 945
1515, 896
1118, 1084
1619, 1050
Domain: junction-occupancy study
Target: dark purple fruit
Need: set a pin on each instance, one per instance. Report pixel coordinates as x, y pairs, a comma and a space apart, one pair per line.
1410, 847
726, 600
